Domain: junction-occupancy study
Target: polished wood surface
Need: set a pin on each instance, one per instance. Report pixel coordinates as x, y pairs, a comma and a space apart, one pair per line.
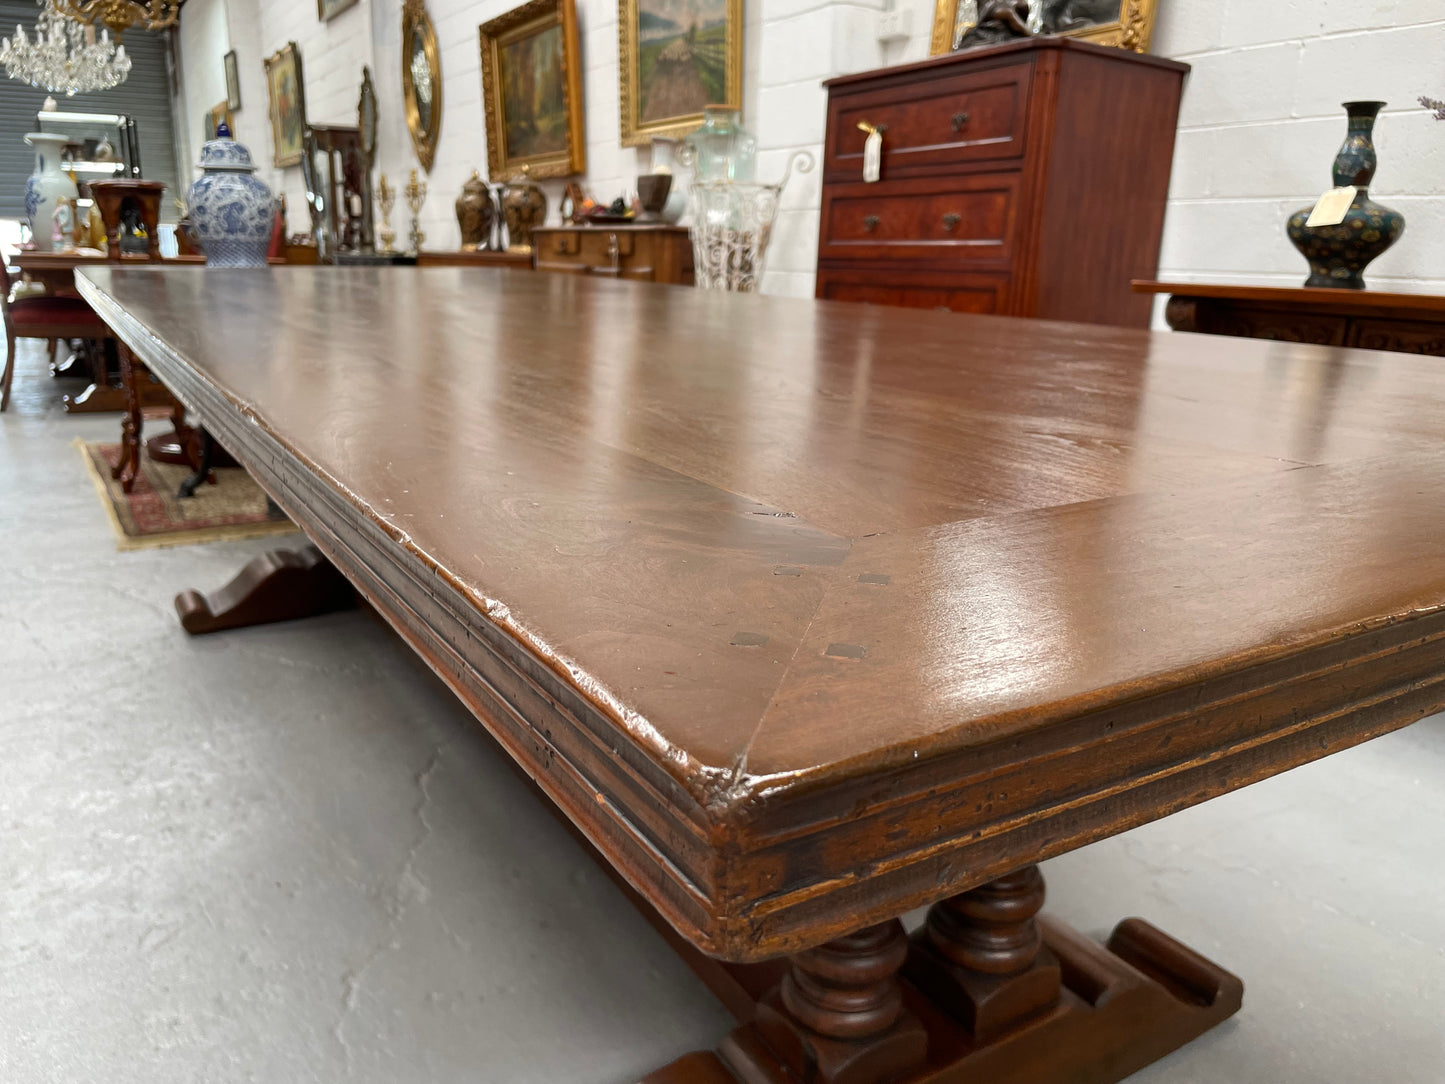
809, 613
1411, 323
1043, 164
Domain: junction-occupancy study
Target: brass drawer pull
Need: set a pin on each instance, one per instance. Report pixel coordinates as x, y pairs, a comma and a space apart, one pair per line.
959, 120
951, 221
870, 223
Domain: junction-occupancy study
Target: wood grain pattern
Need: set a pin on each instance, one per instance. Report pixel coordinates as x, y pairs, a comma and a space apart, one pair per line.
807, 613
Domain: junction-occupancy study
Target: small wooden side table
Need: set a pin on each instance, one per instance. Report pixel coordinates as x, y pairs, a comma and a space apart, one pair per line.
1409, 323
647, 253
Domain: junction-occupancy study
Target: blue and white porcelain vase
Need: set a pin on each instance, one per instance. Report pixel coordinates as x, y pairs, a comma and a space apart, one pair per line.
47, 187
231, 210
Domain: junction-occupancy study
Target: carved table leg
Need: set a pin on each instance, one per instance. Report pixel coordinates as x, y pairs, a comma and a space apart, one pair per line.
992, 994
128, 467
205, 446
278, 586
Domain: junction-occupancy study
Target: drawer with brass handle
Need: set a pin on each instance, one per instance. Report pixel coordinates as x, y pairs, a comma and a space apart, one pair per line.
967, 218
969, 117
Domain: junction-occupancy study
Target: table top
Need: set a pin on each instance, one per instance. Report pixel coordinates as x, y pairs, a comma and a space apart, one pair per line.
85, 257
809, 612
1357, 300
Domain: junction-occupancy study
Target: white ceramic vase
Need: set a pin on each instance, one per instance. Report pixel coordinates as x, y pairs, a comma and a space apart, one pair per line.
46, 188
231, 210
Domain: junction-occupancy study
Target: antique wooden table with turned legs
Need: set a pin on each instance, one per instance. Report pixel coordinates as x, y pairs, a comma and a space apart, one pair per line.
806, 614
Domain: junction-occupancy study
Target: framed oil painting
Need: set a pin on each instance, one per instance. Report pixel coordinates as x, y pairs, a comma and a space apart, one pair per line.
326, 10
287, 93
677, 56
532, 91
1127, 24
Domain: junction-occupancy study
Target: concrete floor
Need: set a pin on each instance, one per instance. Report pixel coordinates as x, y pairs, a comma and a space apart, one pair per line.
286, 854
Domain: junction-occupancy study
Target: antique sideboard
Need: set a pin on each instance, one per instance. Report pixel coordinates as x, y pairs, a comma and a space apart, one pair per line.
1027, 179
1409, 323
646, 253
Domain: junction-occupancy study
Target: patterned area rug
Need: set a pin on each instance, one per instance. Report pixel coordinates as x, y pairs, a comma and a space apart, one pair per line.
152, 515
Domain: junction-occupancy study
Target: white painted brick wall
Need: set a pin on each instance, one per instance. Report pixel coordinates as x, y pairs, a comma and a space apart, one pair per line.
1259, 125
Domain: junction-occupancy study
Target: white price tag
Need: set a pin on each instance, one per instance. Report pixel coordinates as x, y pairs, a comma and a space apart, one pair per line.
1332, 206
873, 156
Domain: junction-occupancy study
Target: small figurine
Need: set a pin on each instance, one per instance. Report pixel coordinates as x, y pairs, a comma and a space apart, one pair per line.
998, 20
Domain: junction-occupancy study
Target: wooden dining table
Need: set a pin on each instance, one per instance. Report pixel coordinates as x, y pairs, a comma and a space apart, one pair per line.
56, 272
806, 614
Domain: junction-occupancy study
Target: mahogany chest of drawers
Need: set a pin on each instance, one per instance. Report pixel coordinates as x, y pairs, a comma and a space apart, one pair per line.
1027, 179
648, 253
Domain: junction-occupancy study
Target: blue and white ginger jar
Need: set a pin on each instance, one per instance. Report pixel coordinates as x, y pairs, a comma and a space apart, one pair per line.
231, 210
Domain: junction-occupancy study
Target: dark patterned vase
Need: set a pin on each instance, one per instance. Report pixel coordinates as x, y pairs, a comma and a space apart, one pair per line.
1338, 255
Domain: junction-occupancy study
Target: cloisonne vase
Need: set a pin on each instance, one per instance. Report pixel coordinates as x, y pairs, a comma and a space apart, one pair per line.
1338, 255
47, 187
231, 210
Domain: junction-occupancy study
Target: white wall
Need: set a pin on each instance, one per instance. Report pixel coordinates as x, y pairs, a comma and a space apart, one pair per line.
1259, 127
1261, 123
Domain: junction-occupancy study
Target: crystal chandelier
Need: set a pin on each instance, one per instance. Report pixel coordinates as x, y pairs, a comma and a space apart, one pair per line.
117, 15
65, 56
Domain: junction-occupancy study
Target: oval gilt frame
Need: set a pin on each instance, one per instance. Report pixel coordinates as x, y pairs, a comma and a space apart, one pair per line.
415, 20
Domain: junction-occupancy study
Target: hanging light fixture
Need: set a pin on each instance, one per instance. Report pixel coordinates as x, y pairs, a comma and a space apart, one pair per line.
119, 15
65, 56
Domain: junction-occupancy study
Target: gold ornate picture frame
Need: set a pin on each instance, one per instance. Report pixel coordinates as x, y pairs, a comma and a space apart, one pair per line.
670, 70
1132, 30
421, 80
286, 97
532, 91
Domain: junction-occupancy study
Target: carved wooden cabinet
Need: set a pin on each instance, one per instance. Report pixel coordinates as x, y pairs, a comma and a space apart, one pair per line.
648, 253
1408, 323
1027, 179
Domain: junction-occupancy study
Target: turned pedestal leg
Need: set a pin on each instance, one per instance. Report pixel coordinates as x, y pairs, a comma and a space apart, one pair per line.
837, 1017
981, 957
991, 993
278, 586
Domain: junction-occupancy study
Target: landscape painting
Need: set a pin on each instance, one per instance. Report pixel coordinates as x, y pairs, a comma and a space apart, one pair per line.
532, 94
678, 56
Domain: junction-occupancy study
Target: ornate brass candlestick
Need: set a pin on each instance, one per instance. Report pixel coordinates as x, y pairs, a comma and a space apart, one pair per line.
415, 195
386, 199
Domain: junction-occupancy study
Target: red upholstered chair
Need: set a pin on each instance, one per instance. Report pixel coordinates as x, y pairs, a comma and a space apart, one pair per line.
41, 318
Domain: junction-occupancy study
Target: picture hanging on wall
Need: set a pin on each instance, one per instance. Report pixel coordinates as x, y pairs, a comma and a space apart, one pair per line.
326, 10
1127, 24
532, 91
216, 116
287, 95
677, 56
233, 82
